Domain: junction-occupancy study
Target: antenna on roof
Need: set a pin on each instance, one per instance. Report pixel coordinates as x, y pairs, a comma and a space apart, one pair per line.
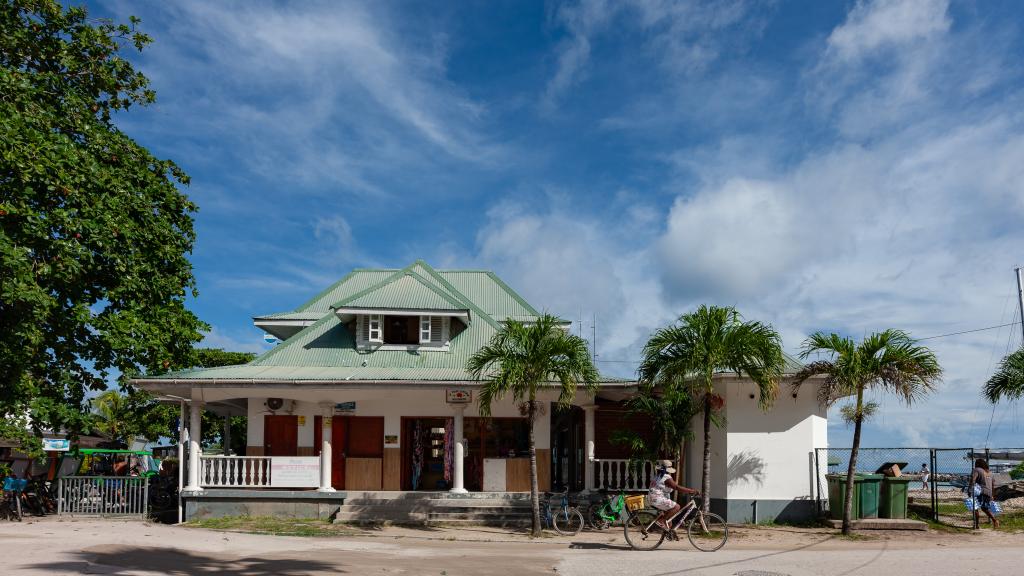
594, 351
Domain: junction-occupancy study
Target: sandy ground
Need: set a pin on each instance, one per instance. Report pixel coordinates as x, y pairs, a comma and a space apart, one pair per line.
51, 546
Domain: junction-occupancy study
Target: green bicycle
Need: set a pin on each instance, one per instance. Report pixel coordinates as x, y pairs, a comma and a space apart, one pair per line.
608, 512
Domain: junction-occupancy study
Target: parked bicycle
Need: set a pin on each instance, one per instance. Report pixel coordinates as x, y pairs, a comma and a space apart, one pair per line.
602, 515
706, 531
565, 518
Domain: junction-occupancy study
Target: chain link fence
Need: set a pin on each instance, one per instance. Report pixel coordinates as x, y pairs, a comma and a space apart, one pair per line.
939, 479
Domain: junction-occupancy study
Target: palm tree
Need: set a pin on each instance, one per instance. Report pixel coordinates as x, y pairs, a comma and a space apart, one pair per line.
113, 415
890, 361
520, 360
670, 414
1008, 381
687, 355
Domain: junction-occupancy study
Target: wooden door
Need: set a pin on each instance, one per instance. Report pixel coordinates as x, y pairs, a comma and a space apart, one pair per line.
280, 435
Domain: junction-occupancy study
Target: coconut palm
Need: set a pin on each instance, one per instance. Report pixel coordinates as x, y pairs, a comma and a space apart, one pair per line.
1008, 381
890, 361
669, 413
524, 358
687, 355
112, 414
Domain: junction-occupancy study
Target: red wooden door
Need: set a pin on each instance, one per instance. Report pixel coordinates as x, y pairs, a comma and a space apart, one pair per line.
280, 435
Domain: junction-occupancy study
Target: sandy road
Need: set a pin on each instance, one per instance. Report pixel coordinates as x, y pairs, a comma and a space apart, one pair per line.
121, 547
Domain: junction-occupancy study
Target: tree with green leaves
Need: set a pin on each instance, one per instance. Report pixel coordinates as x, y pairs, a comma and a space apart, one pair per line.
670, 413
95, 231
134, 414
889, 361
1008, 381
686, 356
523, 359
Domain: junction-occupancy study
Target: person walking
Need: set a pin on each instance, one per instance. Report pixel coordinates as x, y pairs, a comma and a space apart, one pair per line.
981, 477
925, 476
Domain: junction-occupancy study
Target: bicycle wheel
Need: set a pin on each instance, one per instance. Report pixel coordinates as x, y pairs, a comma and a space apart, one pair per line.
567, 521
596, 518
637, 535
707, 532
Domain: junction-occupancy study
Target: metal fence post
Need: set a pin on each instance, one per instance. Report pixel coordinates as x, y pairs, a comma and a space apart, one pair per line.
817, 482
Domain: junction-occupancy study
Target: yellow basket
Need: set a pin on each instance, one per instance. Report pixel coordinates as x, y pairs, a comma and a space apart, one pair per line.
634, 503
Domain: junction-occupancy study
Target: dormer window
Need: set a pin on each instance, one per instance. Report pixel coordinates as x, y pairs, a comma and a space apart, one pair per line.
400, 330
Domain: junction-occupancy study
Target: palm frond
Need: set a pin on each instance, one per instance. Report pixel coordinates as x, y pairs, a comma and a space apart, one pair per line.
1008, 381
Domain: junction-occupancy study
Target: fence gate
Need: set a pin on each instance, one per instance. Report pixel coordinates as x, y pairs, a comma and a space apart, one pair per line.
951, 473
103, 496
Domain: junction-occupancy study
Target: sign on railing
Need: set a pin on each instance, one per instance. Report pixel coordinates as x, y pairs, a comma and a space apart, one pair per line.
103, 496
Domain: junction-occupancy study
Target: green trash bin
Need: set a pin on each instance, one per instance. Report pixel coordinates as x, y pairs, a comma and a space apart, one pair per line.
893, 502
869, 487
837, 494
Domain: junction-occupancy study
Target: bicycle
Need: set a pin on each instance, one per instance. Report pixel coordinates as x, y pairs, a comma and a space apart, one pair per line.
606, 513
706, 531
567, 520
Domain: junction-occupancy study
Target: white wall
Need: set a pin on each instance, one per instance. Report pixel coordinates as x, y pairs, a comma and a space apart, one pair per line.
768, 454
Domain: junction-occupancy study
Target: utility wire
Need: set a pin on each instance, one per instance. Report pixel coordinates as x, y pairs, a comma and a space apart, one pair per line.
970, 331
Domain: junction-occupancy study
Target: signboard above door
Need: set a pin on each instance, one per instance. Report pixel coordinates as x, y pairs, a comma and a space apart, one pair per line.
458, 396
345, 407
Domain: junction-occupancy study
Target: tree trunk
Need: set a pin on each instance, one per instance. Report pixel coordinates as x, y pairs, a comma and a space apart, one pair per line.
705, 482
848, 497
534, 493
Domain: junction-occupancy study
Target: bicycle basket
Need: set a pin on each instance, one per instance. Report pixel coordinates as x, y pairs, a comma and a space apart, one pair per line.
634, 503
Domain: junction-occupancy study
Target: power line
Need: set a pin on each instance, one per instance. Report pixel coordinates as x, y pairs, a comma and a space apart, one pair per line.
970, 331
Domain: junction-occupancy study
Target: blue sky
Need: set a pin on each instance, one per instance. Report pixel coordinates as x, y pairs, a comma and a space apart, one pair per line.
847, 166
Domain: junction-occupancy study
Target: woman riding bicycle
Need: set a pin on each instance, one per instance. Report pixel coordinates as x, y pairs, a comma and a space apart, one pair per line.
660, 489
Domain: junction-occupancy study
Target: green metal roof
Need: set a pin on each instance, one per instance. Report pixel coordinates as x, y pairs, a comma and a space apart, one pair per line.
406, 290
326, 350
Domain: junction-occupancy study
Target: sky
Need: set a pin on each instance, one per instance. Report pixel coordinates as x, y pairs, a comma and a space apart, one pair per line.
845, 166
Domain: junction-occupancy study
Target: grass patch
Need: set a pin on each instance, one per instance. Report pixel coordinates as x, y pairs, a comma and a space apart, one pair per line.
1011, 522
271, 525
809, 523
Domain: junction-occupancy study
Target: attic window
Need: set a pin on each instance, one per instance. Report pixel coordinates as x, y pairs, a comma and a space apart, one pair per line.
401, 330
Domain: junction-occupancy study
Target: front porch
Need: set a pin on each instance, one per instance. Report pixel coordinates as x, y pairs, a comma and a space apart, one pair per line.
305, 445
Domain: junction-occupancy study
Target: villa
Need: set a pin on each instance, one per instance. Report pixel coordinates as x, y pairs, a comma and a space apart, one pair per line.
368, 393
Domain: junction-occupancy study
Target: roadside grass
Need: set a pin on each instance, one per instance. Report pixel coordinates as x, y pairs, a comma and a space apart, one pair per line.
274, 526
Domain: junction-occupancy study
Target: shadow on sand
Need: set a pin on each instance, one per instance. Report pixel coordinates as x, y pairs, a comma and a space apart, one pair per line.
124, 559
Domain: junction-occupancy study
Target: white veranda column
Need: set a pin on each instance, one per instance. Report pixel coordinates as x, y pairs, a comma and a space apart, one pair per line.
195, 434
588, 440
327, 414
458, 484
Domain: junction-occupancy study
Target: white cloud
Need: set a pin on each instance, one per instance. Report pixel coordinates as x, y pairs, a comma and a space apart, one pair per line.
333, 96
872, 25
218, 338
682, 37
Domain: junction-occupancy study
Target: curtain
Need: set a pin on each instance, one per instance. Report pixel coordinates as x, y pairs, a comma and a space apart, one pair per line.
449, 449
417, 455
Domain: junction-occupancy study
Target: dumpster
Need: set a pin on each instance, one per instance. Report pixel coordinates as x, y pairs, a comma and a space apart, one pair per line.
893, 502
868, 488
837, 494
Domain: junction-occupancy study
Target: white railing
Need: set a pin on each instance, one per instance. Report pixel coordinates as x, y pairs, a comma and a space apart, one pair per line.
619, 474
234, 471
103, 496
